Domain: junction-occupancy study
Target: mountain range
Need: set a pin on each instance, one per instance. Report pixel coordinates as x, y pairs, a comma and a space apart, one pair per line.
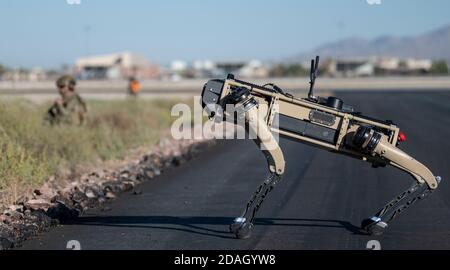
431, 45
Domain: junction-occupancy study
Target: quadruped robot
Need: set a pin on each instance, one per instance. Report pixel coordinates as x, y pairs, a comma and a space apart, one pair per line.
326, 123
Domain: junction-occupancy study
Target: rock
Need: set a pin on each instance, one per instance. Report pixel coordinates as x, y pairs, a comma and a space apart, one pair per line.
90, 203
74, 184
78, 196
141, 177
54, 222
62, 213
97, 174
101, 200
110, 195
137, 192
90, 194
125, 173
40, 219
45, 191
98, 191
65, 190
149, 173
6, 244
177, 161
63, 198
22, 199
38, 204
133, 178
127, 186
6, 219
28, 230
93, 192
14, 215
113, 186
18, 208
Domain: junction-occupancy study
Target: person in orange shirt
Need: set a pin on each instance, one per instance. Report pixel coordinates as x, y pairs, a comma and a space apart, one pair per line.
133, 86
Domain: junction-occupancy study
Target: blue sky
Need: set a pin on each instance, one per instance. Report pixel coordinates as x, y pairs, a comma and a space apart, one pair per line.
49, 33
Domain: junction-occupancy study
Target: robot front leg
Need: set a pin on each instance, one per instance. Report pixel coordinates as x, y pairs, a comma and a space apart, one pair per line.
242, 225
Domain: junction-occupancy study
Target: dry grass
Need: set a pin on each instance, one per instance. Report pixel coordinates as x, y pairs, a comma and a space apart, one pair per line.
31, 151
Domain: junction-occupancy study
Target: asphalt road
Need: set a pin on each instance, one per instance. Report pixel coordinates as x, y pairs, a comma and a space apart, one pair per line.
318, 205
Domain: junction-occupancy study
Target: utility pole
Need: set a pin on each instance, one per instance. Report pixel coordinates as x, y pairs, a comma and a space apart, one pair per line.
87, 32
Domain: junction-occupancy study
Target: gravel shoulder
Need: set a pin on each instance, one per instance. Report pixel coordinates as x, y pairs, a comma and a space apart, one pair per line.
58, 202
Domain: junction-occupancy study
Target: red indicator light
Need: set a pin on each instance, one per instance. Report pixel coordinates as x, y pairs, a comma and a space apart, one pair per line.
401, 137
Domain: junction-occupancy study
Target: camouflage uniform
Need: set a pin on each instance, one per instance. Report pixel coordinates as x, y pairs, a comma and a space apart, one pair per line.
73, 109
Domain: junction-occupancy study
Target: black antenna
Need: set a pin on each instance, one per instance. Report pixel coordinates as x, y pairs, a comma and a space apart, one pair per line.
313, 76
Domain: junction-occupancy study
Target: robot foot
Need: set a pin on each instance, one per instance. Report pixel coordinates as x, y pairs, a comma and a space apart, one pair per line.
373, 226
241, 228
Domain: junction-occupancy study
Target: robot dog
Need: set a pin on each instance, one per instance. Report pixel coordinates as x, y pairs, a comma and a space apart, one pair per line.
326, 123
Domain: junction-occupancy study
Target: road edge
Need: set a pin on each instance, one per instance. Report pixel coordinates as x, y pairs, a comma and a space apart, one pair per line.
54, 205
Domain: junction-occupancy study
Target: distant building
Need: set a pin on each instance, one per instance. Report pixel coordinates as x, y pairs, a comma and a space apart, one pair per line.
115, 66
204, 65
362, 67
245, 69
34, 74
351, 67
178, 66
208, 69
37, 74
397, 66
253, 69
177, 70
419, 64
387, 63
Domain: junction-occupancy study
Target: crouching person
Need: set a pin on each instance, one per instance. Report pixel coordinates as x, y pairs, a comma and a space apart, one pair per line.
69, 108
